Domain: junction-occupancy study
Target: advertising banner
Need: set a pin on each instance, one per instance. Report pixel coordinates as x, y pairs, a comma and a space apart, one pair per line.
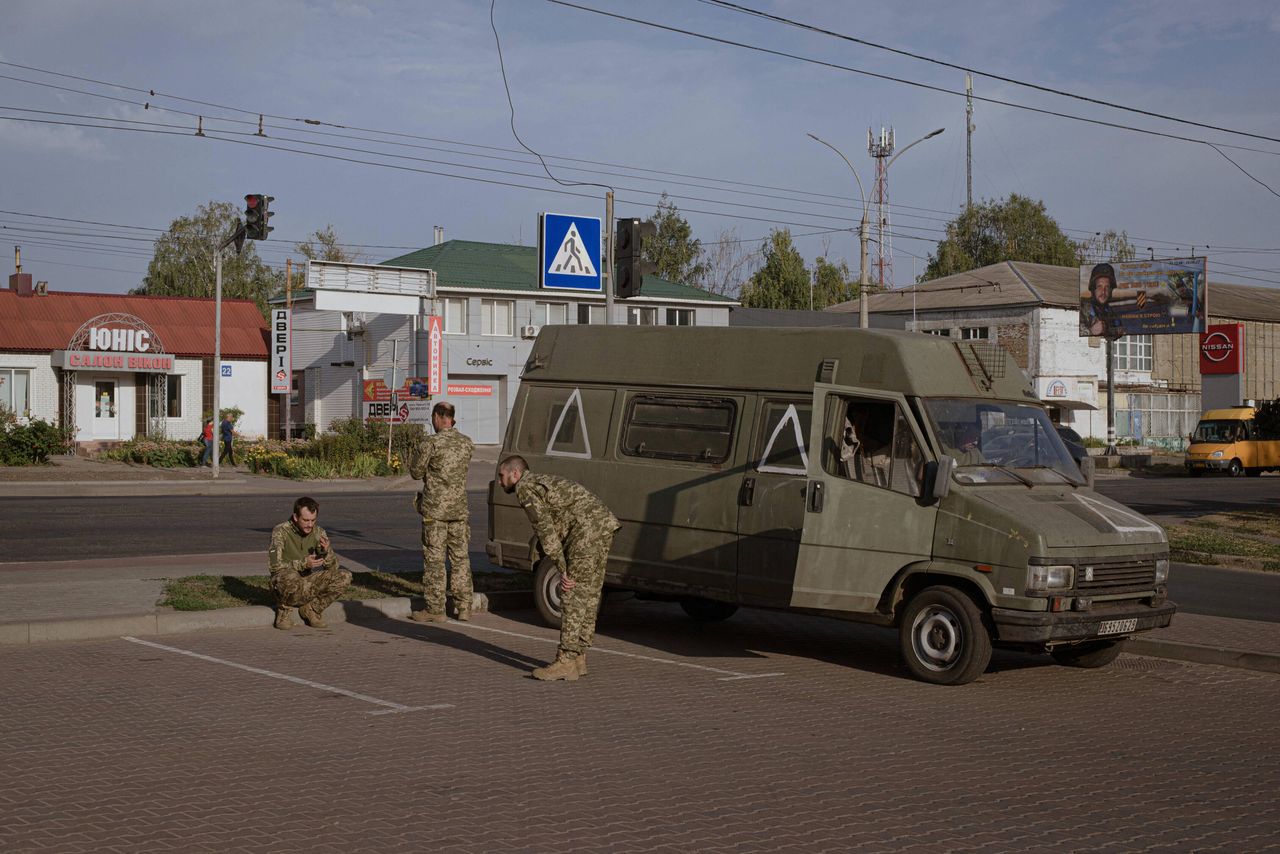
1159, 297
409, 404
281, 371
435, 353
1222, 349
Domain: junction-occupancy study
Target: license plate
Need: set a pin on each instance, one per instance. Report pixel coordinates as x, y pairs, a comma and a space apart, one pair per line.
1115, 627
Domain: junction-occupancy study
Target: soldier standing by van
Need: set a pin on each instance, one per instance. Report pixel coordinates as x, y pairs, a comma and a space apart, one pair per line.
576, 531
441, 465
304, 568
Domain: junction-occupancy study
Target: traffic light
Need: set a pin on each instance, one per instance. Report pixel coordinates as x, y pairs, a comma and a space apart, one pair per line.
256, 214
629, 266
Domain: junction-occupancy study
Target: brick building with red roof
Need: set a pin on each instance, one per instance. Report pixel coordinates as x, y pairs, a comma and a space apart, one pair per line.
118, 367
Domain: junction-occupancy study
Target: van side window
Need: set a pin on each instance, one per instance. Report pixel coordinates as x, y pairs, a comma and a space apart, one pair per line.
875, 445
679, 428
783, 436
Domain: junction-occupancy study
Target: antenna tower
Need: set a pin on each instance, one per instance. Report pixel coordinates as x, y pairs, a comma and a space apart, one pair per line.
881, 148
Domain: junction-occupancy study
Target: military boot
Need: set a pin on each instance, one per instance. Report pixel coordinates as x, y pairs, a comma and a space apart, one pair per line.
311, 616
425, 616
284, 620
563, 667
581, 661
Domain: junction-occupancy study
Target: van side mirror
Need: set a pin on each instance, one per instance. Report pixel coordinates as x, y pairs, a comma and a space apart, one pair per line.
937, 477
1087, 468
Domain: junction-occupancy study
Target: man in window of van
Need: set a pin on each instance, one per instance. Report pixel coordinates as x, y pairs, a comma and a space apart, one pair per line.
441, 464
576, 530
865, 449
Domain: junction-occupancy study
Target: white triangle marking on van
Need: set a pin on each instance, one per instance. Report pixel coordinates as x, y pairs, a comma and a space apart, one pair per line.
794, 417
572, 258
574, 402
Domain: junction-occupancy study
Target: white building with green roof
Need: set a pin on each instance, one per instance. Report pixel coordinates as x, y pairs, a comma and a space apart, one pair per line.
492, 306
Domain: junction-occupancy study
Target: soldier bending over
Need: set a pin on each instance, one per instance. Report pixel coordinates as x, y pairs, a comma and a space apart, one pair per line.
576, 531
304, 569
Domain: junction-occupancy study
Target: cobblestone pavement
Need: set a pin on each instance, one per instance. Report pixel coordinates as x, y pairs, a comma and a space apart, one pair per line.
764, 733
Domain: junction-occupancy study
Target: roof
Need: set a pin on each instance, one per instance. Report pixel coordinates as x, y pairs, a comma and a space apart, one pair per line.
1014, 283
739, 316
505, 266
184, 324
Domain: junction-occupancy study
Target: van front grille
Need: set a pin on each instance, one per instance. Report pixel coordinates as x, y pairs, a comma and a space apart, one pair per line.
1130, 576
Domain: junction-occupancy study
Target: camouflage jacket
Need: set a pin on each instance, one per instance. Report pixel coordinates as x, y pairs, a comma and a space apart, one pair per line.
289, 549
441, 465
560, 509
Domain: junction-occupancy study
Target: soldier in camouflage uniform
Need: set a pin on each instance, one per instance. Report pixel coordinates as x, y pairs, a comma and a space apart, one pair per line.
304, 569
576, 531
442, 464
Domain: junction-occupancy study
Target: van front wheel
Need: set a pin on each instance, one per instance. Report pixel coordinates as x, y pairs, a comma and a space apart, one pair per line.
1235, 469
708, 610
546, 592
943, 637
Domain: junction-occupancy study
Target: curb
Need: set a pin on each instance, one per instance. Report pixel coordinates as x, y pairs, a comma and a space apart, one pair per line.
248, 617
1240, 659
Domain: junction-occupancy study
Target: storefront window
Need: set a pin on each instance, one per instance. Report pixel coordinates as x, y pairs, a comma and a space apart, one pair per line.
173, 406
15, 390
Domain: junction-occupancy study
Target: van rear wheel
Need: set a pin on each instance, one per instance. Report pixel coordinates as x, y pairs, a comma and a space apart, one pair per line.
943, 637
708, 610
1094, 654
546, 592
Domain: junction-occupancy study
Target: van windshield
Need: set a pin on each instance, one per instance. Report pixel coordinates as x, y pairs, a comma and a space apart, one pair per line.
1223, 432
1001, 442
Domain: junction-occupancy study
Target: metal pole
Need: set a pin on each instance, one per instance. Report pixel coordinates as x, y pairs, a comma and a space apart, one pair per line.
608, 267
968, 141
287, 400
391, 422
217, 359
1111, 401
863, 236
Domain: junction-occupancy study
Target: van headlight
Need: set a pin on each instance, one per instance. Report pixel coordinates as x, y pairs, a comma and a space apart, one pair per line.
1217, 455
1042, 579
1162, 570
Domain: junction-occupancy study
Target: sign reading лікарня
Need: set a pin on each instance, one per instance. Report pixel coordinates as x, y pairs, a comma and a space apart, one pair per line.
97, 360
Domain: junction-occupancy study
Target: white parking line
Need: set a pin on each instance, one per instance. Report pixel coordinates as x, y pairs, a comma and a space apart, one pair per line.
392, 708
730, 676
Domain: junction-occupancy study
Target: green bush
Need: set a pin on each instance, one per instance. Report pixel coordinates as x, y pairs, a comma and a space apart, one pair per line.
161, 453
31, 443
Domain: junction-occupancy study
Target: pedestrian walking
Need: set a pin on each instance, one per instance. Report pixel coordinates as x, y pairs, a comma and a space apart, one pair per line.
441, 464
304, 568
228, 435
206, 436
575, 530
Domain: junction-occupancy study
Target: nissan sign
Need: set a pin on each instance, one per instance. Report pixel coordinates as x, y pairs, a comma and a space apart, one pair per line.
1222, 349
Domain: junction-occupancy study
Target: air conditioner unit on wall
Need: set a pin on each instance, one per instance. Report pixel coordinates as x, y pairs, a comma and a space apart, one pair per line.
528, 332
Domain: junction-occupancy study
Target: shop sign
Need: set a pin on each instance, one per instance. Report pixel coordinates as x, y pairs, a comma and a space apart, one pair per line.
87, 360
465, 390
435, 353
1222, 349
122, 340
281, 357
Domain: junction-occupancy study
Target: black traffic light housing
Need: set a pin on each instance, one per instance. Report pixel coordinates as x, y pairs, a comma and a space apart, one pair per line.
256, 214
629, 266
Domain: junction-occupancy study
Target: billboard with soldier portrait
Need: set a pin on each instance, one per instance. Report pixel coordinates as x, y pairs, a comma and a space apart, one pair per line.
1156, 297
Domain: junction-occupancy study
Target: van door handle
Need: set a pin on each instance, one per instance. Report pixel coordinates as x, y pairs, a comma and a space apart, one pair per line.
815, 496
748, 491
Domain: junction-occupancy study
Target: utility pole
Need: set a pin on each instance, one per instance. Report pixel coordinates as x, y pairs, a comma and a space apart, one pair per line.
968, 141
288, 303
607, 273
391, 421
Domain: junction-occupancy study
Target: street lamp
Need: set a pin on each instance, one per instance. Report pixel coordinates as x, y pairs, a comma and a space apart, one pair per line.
862, 236
903, 150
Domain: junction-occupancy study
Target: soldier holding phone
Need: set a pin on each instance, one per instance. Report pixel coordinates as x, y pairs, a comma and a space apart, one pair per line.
304, 568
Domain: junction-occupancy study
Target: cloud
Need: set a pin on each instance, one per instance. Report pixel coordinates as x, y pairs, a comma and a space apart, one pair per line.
28, 137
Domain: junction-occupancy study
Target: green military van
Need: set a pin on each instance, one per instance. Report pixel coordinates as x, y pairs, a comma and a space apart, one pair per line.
901, 479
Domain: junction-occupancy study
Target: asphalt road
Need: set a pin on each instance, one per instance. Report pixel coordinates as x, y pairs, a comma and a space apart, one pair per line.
381, 530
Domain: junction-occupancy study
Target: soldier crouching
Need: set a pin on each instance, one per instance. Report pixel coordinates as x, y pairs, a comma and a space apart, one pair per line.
304, 569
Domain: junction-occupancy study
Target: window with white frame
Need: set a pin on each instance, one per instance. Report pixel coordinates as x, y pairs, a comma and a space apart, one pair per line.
593, 314
551, 313
496, 316
970, 333
679, 317
642, 316
945, 333
1133, 353
455, 315
15, 390
173, 399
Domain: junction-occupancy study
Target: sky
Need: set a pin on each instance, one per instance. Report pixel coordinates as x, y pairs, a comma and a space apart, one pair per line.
386, 119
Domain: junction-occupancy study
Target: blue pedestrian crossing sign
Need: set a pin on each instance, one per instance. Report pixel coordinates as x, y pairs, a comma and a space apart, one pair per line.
569, 251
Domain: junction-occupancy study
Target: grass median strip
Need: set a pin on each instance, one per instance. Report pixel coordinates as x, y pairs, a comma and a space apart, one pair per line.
1253, 534
210, 592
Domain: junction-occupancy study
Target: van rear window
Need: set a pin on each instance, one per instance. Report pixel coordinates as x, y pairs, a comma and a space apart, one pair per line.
679, 428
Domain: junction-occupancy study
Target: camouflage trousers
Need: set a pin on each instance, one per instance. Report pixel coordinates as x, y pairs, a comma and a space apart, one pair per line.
586, 555
320, 588
438, 538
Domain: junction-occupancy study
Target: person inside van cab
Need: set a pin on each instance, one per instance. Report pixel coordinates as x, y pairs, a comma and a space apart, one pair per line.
966, 451
866, 451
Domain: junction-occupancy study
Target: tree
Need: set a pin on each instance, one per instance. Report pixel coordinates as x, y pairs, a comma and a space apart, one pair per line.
782, 281
673, 249
183, 261
1107, 245
832, 284
729, 264
1267, 419
1016, 229
323, 245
